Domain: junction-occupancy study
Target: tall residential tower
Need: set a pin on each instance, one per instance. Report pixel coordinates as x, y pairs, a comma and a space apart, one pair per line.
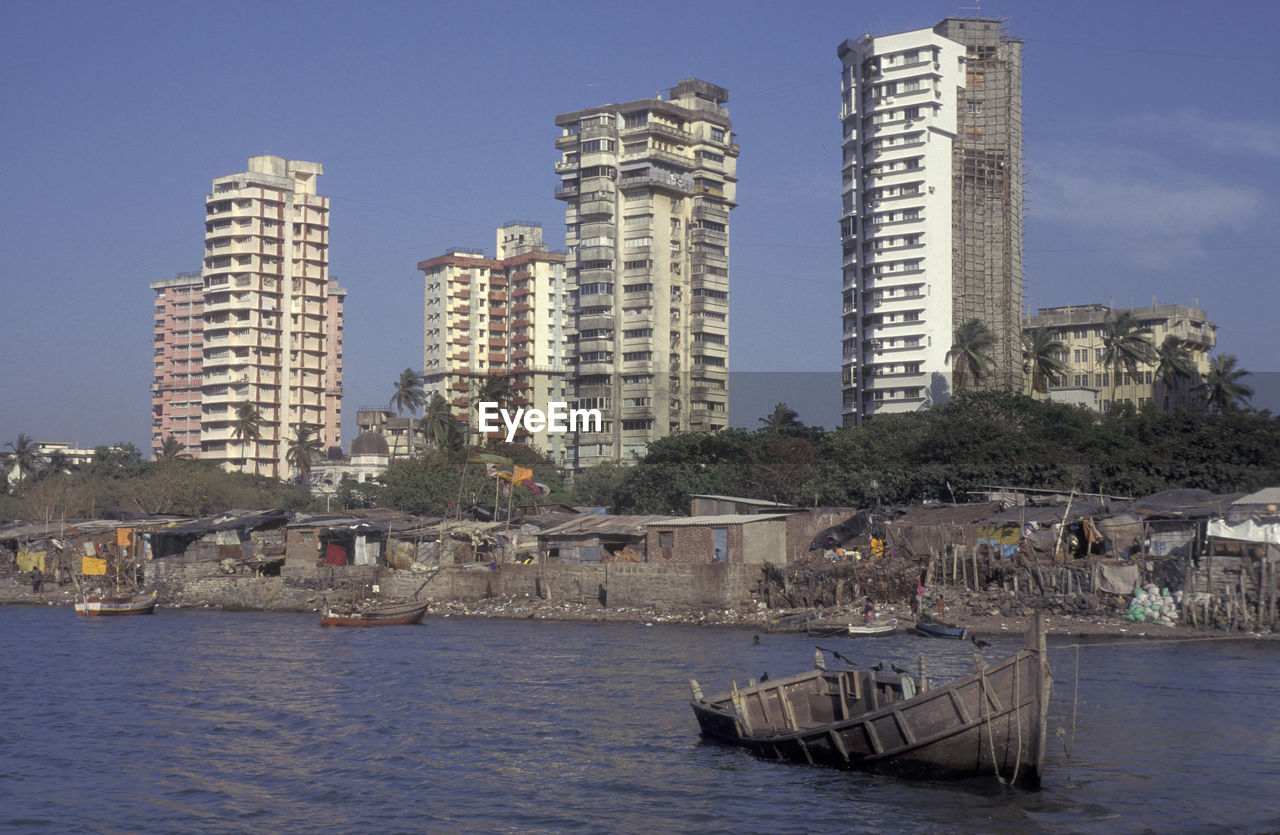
272, 316
505, 317
648, 186
931, 224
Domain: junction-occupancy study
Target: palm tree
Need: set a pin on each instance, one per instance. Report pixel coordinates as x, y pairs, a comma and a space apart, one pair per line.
971, 351
303, 447
247, 427
494, 389
782, 417
1126, 343
408, 397
438, 424
25, 457
1222, 390
1173, 365
1042, 359
171, 448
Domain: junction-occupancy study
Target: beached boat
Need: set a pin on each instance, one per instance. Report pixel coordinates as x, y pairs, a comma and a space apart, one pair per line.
989, 723
378, 614
104, 605
936, 629
827, 629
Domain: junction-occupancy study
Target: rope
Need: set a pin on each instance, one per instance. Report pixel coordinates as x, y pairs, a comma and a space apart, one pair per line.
1017, 712
1075, 703
986, 720
1146, 644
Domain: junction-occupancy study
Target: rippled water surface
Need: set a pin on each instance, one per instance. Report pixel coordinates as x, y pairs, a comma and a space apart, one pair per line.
211, 721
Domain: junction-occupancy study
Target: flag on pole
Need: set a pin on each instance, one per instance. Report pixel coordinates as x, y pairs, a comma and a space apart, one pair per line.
520, 474
93, 565
487, 458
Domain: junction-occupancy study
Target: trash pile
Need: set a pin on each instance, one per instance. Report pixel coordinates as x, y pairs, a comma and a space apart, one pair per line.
1152, 604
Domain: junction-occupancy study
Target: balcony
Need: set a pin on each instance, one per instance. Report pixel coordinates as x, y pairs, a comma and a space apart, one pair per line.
567, 191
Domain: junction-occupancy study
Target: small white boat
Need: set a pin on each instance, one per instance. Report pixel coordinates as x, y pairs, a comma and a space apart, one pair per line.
886, 626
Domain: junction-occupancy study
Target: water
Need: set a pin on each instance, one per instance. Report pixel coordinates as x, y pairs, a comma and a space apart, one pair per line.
211, 721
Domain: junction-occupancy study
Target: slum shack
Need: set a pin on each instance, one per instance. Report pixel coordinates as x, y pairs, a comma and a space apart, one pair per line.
238, 540
728, 539
595, 538
1233, 583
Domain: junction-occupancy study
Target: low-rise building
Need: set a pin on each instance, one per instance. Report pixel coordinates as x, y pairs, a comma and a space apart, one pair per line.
1088, 379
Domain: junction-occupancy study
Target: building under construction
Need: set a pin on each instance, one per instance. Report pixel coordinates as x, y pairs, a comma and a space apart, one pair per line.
931, 226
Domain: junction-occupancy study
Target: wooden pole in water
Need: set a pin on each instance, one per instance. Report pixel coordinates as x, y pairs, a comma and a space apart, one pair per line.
975, 570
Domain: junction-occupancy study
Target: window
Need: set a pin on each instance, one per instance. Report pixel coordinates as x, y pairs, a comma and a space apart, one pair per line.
717, 135
638, 356
637, 333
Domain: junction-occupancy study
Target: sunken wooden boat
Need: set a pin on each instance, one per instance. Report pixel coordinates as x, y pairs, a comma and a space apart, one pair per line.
937, 629
98, 605
989, 723
376, 614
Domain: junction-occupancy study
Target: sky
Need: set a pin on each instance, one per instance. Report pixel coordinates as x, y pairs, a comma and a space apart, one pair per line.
1152, 154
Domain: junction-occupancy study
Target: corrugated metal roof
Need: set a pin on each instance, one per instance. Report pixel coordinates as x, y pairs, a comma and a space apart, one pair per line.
594, 524
1267, 495
724, 519
740, 500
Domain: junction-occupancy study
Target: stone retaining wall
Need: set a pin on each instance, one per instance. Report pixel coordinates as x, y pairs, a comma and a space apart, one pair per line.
302, 585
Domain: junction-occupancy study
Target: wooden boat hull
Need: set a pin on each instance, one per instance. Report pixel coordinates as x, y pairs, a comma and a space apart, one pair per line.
819, 629
102, 606
940, 630
990, 723
393, 615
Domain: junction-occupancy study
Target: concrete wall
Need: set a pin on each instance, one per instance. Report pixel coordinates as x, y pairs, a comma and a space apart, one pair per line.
304, 587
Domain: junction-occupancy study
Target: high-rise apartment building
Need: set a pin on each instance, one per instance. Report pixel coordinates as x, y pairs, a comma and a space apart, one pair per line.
1090, 381
506, 317
272, 316
177, 381
931, 224
648, 187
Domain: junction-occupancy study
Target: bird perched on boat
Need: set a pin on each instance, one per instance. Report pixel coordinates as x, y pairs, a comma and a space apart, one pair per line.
764, 676
978, 643
897, 669
878, 667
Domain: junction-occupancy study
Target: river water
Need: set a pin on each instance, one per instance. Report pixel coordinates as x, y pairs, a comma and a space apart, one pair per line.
213, 721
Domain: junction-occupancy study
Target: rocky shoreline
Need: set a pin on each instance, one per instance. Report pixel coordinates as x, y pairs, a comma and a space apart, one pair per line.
980, 612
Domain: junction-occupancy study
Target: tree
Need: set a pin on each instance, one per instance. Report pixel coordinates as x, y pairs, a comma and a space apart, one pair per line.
782, 417
25, 457
171, 448
1126, 343
1173, 366
247, 427
1042, 359
1222, 390
408, 397
303, 447
494, 389
971, 352
439, 428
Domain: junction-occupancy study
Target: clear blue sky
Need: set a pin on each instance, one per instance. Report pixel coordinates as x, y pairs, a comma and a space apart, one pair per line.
1152, 158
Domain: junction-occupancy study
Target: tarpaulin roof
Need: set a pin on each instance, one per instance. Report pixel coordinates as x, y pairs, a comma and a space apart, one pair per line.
1183, 504
1080, 508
